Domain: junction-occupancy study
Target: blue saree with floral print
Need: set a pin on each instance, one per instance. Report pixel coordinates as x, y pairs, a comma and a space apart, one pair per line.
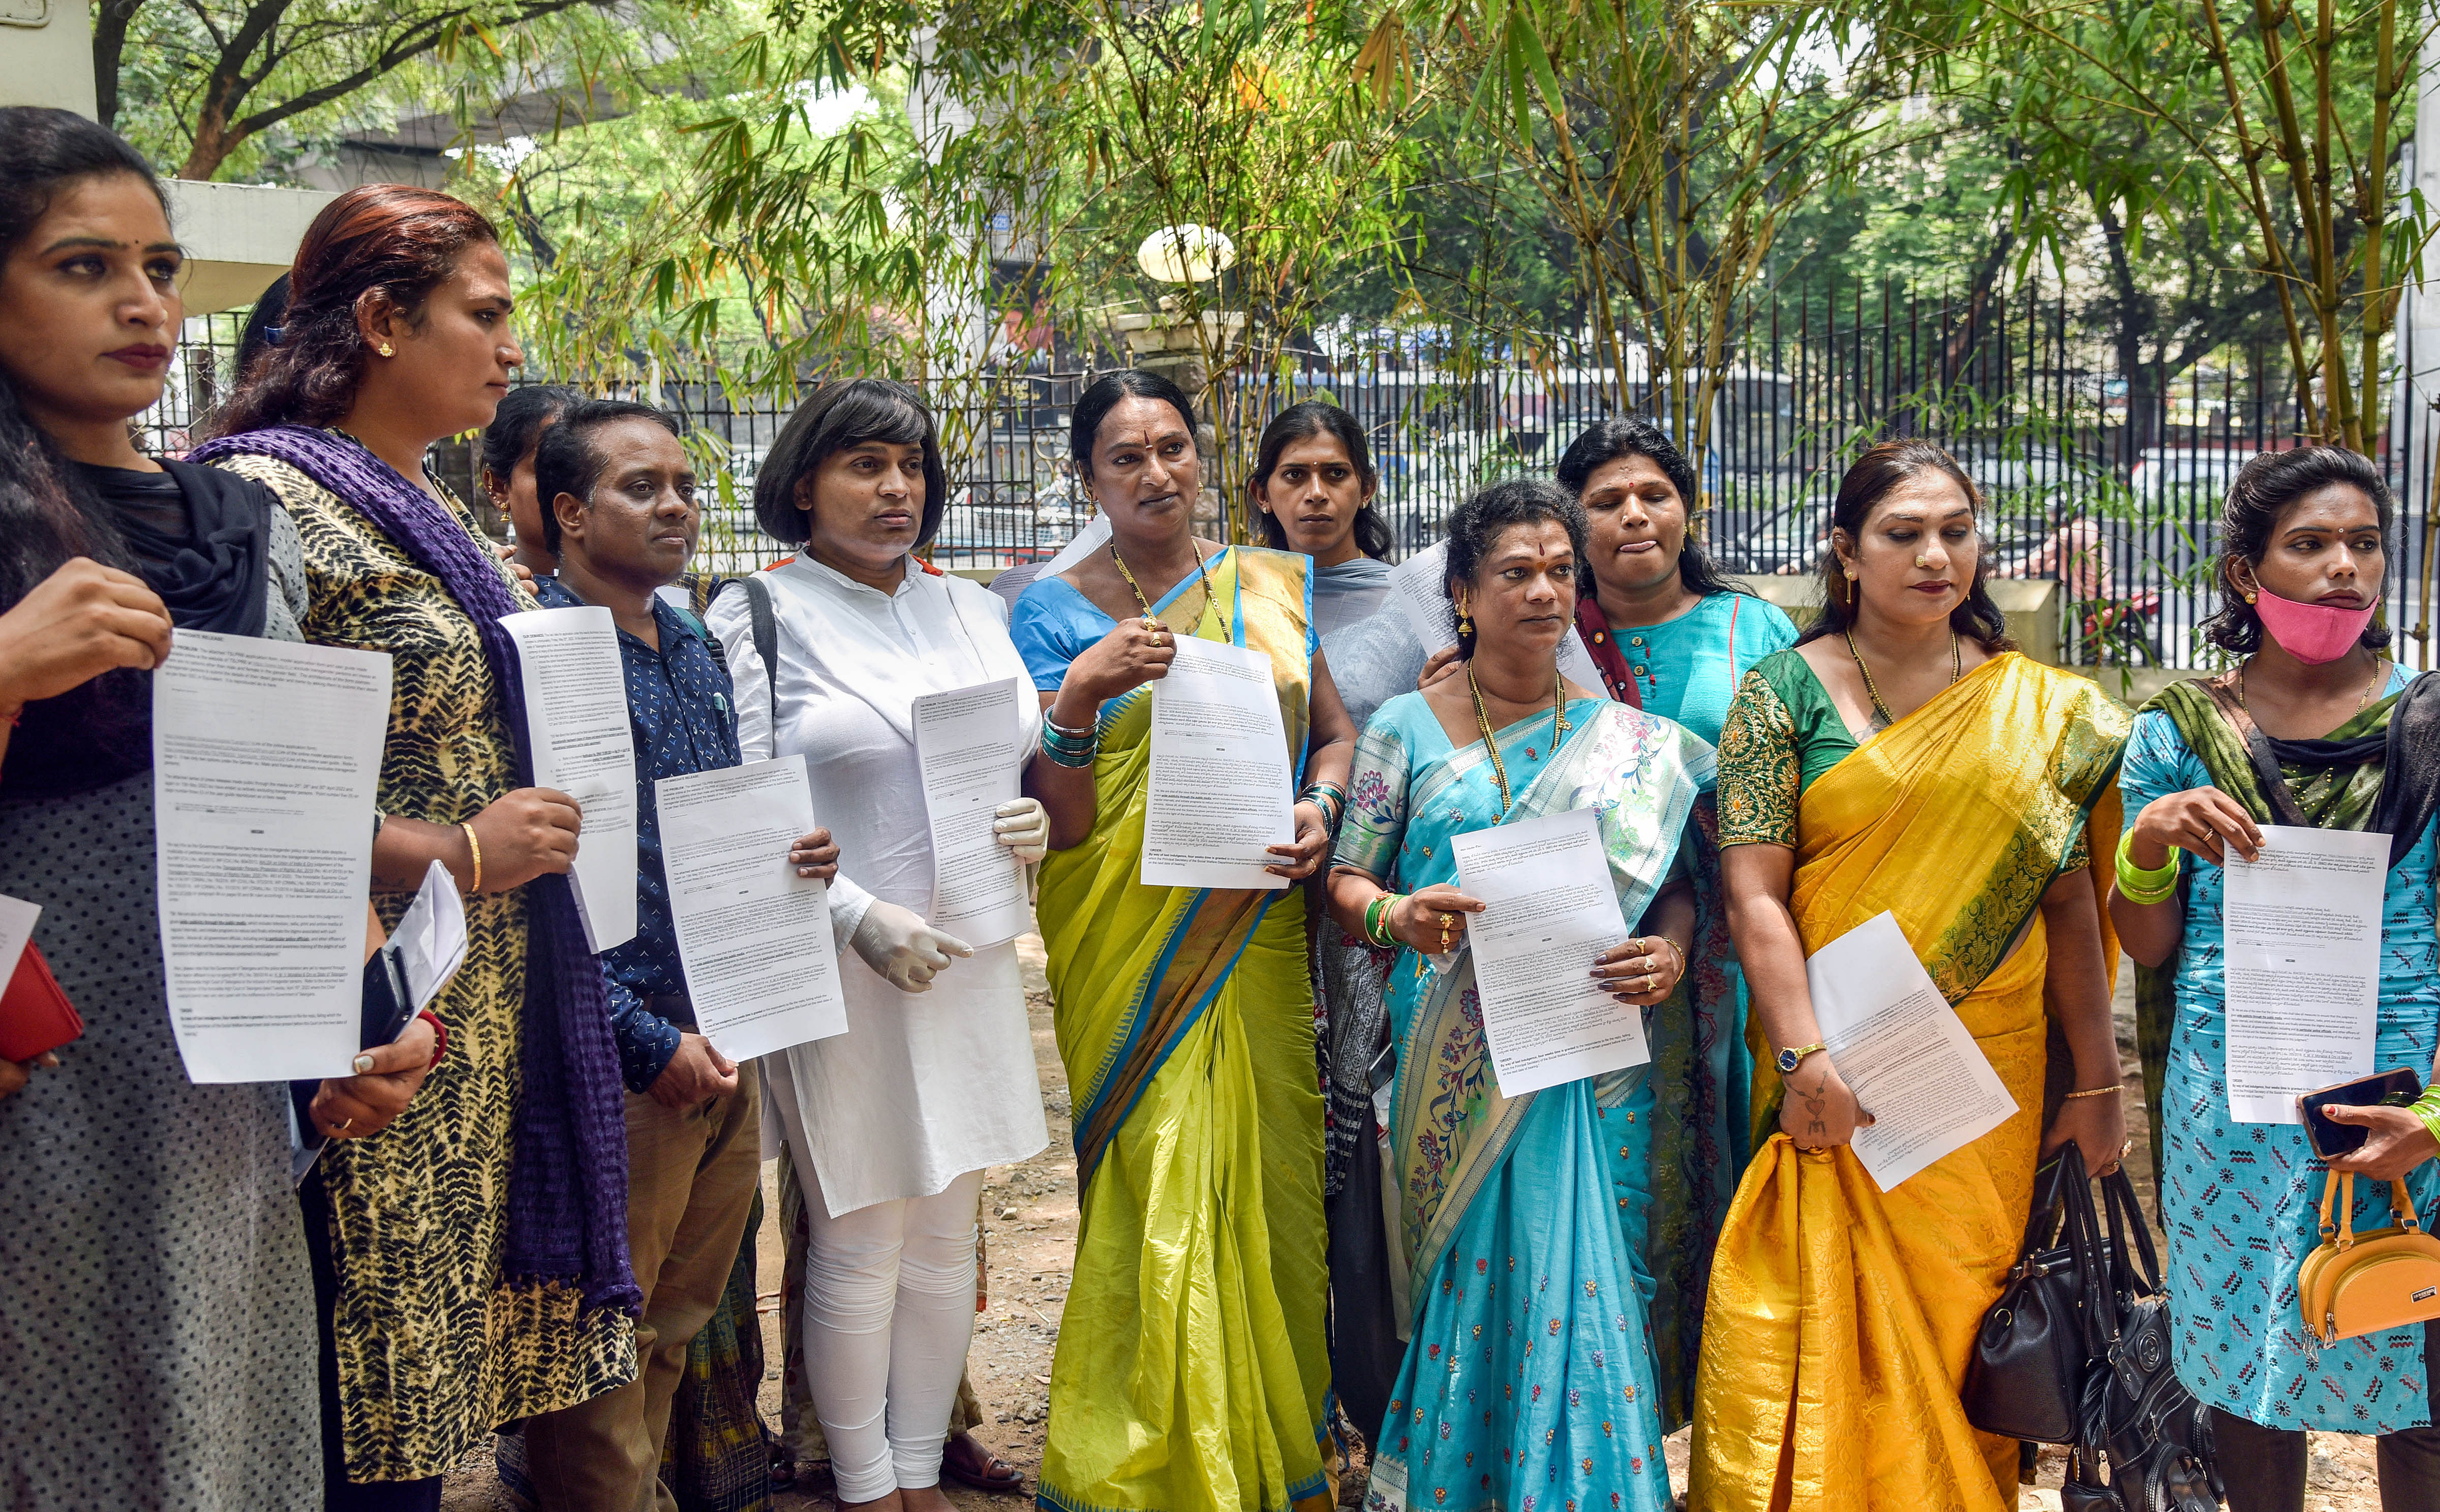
1529, 1382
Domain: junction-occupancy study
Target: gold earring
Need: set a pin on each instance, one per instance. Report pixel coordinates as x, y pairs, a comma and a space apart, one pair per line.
1465, 622
2249, 599
386, 350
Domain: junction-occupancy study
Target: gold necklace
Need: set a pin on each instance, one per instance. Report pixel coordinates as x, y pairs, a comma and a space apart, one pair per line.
2361, 698
1210, 596
1956, 669
1483, 720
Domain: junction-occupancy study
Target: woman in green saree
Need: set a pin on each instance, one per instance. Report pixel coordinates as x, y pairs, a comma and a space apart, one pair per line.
1192, 1373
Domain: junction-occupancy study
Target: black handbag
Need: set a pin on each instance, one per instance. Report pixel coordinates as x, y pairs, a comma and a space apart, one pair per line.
2033, 1353
2156, 1435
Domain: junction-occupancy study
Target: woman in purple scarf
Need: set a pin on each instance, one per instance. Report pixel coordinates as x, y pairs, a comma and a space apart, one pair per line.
470, 1259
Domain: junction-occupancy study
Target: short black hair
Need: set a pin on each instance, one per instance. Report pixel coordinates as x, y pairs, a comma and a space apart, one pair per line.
2265, 490
1504, 506
1093, 406
833, 417
518, 424
1604, 442
1302, 422
565, 460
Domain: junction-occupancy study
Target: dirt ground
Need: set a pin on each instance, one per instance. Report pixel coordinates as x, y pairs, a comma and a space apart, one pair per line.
1029, 1218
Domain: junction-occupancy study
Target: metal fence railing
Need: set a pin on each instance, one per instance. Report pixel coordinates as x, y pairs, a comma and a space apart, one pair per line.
2106, 480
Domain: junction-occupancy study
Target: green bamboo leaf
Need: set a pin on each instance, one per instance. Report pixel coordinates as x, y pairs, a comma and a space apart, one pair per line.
1528, 41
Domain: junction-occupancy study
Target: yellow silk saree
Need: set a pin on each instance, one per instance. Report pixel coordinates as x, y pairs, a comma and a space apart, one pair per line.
1192, 1372
1842, 1317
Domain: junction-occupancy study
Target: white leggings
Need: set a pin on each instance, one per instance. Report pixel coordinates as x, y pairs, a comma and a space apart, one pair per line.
889, 1306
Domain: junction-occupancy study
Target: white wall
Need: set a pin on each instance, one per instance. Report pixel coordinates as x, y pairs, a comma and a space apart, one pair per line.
47, 54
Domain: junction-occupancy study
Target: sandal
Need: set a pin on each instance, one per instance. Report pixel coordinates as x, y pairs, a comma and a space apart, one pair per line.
968, 1463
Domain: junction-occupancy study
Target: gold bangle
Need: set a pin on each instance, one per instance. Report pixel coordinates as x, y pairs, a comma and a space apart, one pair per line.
2097, 1091
473, 848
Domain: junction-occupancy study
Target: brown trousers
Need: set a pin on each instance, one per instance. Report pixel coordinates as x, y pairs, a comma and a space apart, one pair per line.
691, 1180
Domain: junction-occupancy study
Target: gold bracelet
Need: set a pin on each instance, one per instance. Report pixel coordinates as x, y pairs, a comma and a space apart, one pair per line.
2097, 1091
1674, 949
473, 848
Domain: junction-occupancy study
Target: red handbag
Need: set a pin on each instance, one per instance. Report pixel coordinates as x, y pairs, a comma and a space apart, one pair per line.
35, 1015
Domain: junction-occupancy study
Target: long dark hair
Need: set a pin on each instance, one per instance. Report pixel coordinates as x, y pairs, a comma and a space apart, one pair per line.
382, 239
1093, 406
2266, 488
833, 417
1620, 435
1302, 422
1479, 520
47, 514
1867, 483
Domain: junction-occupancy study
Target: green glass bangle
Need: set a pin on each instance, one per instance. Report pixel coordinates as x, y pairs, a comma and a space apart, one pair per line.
1377, 919
2427, 1110
2137, 886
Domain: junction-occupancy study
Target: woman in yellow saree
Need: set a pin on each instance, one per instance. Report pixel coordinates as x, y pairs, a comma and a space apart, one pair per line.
1902, 758
1191, 1373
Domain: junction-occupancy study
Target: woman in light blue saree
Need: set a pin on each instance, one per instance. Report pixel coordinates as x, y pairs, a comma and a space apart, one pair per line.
1529, 1382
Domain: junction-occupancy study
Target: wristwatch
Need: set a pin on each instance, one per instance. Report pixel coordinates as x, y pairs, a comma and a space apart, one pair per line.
1789, 1060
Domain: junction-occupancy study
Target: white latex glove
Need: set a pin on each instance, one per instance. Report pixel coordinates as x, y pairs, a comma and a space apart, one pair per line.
897, 943
1023, 827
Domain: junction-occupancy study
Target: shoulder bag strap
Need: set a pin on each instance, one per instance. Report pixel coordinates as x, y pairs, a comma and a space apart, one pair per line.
765, 626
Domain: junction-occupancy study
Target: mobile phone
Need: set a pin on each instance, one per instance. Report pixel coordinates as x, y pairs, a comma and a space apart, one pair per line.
2396, 1088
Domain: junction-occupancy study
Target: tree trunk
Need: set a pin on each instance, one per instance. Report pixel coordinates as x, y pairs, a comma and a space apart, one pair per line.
111, 20
2128, 332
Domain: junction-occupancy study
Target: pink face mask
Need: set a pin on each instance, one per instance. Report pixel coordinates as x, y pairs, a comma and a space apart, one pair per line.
2313, 633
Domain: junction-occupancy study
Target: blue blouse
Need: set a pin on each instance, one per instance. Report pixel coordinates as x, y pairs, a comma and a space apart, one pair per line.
1687, 668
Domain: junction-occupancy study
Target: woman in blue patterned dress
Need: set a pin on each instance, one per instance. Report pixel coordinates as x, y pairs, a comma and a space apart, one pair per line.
1528, 1383
2355, 742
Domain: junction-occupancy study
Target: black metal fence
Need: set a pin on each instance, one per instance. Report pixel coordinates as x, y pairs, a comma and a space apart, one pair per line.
2107, 481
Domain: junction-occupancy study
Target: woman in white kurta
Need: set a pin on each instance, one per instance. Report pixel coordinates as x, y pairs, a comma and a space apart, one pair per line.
891, 1124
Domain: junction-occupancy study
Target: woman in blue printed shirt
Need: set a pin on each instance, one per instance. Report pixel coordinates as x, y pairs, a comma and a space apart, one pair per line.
2314, 727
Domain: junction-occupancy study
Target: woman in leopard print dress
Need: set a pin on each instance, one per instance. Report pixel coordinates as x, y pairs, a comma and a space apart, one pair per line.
471, 1259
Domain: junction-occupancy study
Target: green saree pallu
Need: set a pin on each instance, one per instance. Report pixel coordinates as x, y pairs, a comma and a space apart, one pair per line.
1191, 1373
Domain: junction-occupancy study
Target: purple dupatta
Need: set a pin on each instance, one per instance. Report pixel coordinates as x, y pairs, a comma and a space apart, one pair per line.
568, 1172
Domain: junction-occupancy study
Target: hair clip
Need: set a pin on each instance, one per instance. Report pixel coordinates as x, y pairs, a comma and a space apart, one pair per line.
271, 334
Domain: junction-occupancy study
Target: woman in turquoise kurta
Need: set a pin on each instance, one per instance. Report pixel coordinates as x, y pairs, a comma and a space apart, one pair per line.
2315, 727
1674, 637
1529, 1383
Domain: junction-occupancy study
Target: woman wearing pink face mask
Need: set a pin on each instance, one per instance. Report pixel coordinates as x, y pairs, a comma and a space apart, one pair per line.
2315, 727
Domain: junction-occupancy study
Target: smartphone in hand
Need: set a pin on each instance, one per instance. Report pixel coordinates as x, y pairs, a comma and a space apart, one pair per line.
2396, 1088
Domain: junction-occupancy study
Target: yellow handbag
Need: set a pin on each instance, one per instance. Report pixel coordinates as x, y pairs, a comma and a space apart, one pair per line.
2355, 1284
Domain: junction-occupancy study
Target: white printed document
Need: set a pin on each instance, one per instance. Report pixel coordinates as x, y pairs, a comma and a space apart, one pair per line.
431, 936
966, 742
1902, 1050
1420, 584
753, 936
265, 755
1219, 794
17, 918
576, 723
2301, 960
1548, 914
